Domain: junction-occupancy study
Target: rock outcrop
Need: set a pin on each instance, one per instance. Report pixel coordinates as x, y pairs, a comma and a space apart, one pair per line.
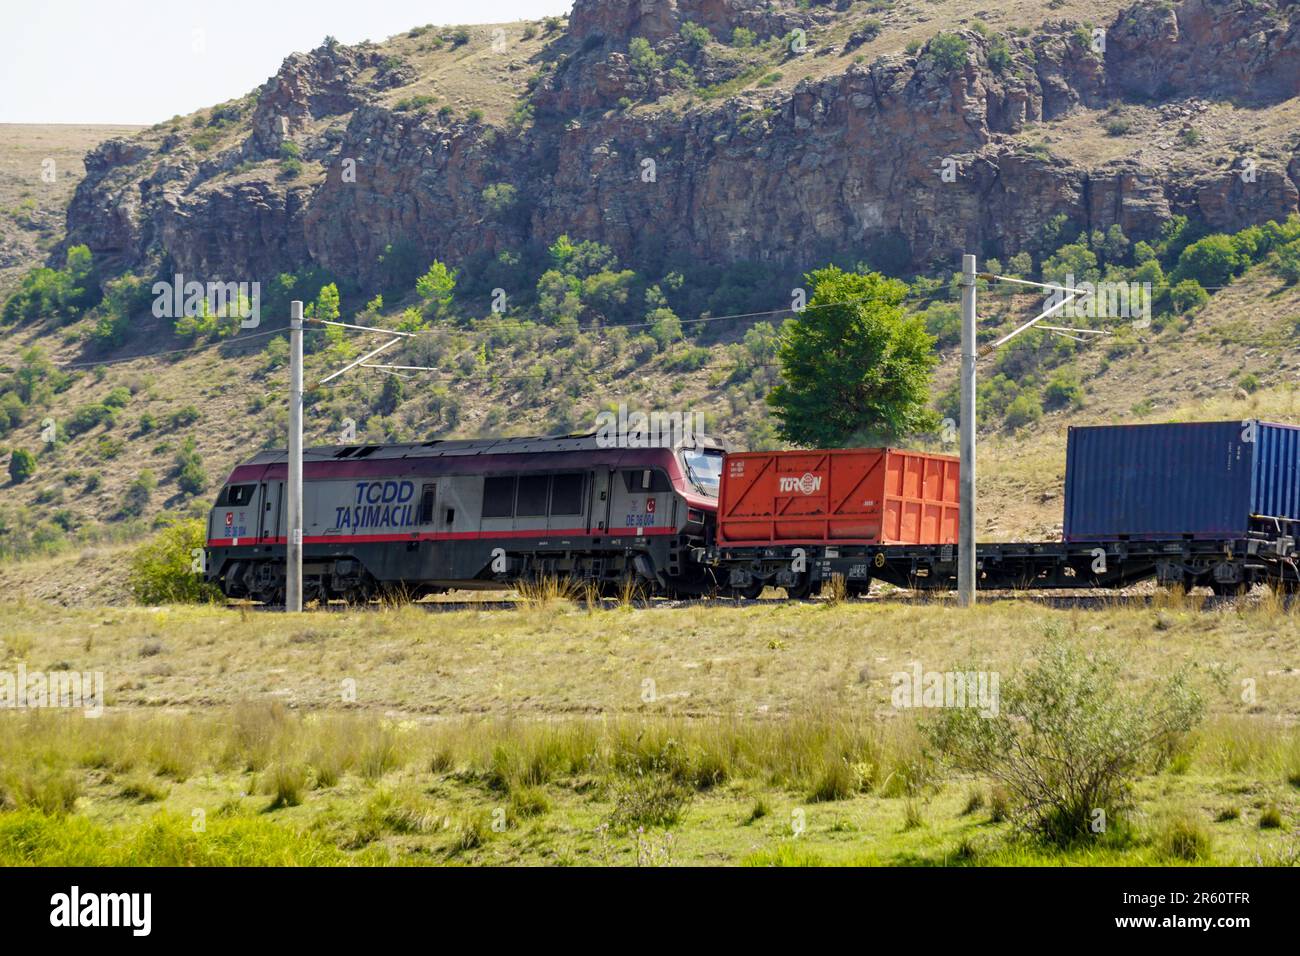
901, 158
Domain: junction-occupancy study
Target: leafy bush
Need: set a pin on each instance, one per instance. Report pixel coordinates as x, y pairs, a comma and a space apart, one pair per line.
743, 38
1285, 262
86, 417
999, 55
137, 495
56, 293
162, 570
22, 465
1025, 409
696, 35
1063, 390
182, 417
1187, 295
949, 51
1069, 737
500, 198
190, 476
645, 62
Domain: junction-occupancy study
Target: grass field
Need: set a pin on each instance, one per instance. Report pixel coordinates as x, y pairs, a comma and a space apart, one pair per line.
557, 734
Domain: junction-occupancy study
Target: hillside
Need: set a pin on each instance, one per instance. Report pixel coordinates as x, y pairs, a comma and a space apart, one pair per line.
696, 176
40, 167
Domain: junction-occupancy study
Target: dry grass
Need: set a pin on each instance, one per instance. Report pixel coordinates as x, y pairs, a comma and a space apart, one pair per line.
770, 658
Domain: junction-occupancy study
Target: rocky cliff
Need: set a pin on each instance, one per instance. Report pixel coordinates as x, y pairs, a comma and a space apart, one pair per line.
692, 156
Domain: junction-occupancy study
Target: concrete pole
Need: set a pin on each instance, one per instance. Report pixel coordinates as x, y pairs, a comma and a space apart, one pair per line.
293, 573
966, 520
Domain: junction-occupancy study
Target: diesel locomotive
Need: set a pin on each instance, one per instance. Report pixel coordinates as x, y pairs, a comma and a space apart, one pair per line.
436, 515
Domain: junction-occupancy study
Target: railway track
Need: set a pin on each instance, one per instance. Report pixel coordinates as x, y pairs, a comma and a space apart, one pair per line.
1089, 602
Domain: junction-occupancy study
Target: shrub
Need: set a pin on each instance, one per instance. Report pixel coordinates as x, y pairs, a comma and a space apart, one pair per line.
137, 495
86, 417
162, 570
644, 60
743, 38
1068, 738
22, 465
949, 51
1187, 295
999, 55
187, 415
696, 35
1025, 409
1063, 390
1285, 262
500, 198
648, 795
190, 475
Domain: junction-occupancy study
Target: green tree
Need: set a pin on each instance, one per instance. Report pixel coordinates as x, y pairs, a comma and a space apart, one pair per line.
22, 465
559, 297
437, 288
1211, 261
665, 327
855, 366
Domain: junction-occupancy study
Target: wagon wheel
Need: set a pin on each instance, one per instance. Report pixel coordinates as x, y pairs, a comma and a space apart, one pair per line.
800, 591
749, 592
859, 588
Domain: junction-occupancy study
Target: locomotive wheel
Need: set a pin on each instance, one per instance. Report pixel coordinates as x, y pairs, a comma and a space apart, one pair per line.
1227, 589
749, 592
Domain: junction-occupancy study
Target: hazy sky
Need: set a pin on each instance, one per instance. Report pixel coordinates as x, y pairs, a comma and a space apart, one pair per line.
144, 61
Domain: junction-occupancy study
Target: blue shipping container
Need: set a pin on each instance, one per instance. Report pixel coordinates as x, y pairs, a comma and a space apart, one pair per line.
1199, 479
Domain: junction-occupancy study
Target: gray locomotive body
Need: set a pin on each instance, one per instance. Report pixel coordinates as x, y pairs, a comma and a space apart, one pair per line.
421, 518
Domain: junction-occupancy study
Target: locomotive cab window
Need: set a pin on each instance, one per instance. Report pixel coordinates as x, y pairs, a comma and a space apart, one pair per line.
566, 494
426, 503
236, 495
499, 497
642, 481
531, 501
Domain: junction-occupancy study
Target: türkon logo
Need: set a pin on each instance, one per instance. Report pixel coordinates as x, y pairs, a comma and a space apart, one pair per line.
134, 910
808, 484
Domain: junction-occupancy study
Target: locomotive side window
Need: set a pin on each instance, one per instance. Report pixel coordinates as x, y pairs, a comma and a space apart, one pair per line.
566, 494
642, 480
426, 503
499, 497
531, 502
236, 495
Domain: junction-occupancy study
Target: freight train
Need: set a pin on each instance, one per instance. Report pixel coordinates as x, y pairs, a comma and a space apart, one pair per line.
1212, 504
423, 518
